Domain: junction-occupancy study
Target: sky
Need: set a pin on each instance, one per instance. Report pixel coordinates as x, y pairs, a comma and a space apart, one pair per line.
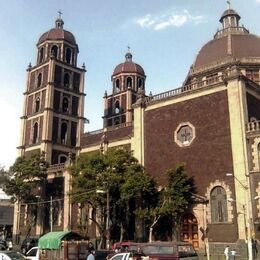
164, 36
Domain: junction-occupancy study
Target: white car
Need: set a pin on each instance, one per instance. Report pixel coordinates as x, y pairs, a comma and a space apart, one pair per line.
11, 255
32, 254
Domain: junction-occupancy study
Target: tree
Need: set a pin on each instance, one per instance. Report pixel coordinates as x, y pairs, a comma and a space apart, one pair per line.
172, 200
27, 174
4, 176
116, 173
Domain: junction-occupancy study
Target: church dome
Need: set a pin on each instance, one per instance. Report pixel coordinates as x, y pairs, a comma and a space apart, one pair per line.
128, 66
235, 46
231, 42
58, 33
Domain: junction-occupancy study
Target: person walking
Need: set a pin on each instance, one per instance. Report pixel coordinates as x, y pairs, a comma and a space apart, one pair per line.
91, 254
227, 253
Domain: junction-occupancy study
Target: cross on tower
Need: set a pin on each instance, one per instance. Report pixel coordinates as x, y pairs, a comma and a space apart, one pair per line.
129, 49
60, 13
228, 3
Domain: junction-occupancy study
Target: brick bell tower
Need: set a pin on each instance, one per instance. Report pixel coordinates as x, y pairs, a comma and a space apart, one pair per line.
127, 79
53, 119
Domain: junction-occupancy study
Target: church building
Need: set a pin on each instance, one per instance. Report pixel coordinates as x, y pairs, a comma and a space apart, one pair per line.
211, 122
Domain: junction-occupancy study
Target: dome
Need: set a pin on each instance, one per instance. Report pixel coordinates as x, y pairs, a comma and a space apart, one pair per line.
128, 66
236, 46
229, 12
232, 41
58, 33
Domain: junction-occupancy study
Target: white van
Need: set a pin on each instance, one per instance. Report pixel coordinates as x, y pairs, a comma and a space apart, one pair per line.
33, 253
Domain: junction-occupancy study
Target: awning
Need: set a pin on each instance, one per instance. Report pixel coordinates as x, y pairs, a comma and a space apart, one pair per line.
52, 240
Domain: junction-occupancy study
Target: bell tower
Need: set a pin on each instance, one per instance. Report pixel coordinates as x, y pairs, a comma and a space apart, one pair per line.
53, 119
128, 77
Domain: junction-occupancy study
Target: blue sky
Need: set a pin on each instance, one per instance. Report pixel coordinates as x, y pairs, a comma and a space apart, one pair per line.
164, 36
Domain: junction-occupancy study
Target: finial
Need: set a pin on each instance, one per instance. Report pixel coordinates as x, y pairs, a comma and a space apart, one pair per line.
83, 66
59, 22
60, 13
128, 55
228, 4
29, 66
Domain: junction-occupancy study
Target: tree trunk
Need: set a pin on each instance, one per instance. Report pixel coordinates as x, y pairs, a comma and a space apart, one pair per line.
122, 230
150, 234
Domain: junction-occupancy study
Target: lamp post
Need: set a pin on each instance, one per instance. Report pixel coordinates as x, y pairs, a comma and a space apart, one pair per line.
108, 216
247, 215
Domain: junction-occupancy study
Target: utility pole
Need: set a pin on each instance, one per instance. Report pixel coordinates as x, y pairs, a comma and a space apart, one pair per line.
51, 214
107, 221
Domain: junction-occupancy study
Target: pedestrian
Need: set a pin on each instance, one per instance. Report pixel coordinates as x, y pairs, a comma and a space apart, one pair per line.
227, 253
91, 254
254, 247
233, 254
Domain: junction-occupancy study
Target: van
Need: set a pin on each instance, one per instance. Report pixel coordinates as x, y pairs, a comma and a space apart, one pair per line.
169, 250
125, 246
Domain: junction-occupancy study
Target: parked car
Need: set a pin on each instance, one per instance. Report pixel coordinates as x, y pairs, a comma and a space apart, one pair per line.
3, 244
11, 255
125, 246
169, 250
102, 254
28, 243
33, 253
127, 256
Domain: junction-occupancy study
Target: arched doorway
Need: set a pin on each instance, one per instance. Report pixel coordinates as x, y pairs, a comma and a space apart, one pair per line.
189, 230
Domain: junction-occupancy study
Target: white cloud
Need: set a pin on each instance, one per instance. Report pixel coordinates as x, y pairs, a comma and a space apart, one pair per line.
258, 1
160, 22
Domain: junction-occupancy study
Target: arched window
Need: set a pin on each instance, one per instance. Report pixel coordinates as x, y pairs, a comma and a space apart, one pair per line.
68, 55
39, 80
35, 133
66, 80
233, 23
117, 89
140, 83
65, 105
64, 133
37, 104
41, 55
117, 107
218, 205
62, 158
129, 82
54, 51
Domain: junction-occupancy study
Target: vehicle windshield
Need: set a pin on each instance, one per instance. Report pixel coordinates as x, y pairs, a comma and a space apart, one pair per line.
15, 255
152, 249
185, 249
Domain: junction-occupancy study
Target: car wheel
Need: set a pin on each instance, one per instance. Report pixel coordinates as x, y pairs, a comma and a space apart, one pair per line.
2, 247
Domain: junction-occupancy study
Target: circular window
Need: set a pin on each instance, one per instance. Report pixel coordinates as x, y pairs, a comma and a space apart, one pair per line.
184, 134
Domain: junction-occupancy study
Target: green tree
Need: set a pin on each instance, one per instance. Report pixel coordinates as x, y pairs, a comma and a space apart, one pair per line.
4, 176
27, 174
116, 172
172, 200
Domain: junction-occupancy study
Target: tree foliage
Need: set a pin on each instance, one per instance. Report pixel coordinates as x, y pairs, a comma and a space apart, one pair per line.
171, 201
27, 173
4, 176
117, 172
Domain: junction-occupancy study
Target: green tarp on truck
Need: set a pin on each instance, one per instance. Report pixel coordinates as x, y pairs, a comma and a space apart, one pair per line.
52, 240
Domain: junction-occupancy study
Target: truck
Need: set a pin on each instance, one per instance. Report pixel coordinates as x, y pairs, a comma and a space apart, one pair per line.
59, 245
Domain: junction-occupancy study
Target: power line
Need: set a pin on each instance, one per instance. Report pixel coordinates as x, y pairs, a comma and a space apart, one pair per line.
49, 201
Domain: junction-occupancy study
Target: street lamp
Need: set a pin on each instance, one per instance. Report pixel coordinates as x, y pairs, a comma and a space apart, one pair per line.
247, 215
107, 218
